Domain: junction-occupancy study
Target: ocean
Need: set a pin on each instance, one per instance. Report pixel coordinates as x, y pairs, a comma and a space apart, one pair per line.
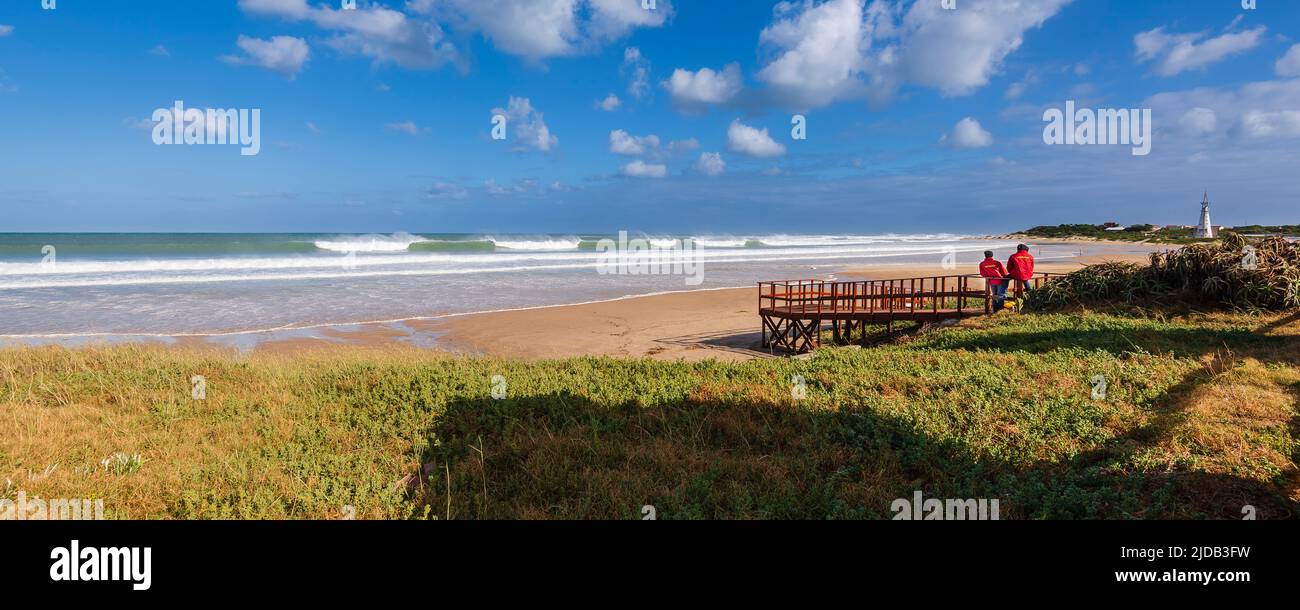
61, 286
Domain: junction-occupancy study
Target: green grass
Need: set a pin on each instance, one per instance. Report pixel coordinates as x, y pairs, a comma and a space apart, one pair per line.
1199, 419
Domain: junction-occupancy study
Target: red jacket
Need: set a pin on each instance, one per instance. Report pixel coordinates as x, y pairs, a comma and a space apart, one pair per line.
1021, 265
991, 268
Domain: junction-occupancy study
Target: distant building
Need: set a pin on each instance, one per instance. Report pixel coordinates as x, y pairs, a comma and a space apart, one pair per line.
1205, 230
1115, 228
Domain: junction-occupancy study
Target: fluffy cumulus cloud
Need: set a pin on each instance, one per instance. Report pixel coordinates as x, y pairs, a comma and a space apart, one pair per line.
746, 140
623, 143
285, 55
372, 30
704, 86
1172, 54
641, 169
540, 29
1289, 65
818, 51
968, 133
823, 52
527, 125
1266, 109
711, 164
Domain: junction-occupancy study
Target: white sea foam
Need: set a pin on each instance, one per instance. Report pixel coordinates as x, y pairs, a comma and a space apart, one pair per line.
569, 243
397, 242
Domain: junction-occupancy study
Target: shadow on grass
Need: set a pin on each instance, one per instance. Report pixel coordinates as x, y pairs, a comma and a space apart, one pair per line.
562, 456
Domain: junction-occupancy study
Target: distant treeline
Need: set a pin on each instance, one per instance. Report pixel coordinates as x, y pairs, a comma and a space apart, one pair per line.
1147, 232
1273, 229
1138, 232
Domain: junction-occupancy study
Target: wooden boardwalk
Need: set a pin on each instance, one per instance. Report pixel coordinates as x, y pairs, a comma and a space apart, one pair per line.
793, 311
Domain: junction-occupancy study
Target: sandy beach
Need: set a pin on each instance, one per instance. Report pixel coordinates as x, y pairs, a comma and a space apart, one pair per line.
693, 325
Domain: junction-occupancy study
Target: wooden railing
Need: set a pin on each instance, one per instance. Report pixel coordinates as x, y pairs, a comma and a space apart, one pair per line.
815, 298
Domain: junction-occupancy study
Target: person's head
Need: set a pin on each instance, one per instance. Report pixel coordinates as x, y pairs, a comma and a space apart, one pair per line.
988, 254
1022, 248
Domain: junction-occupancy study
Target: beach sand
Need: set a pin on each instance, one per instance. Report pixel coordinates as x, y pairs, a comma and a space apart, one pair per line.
693, 325
720, 324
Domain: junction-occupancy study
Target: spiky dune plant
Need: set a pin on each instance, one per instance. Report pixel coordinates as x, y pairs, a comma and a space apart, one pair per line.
1220, 275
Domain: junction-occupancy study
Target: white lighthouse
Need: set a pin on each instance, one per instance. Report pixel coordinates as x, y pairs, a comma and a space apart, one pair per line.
1205, 230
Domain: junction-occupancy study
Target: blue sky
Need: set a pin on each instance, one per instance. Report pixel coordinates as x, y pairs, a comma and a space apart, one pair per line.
379, 118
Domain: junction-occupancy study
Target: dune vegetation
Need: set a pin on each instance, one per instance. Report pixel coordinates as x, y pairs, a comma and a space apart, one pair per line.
1197, 419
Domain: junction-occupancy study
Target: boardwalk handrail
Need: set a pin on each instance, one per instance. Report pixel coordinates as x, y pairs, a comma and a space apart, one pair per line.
785, 305
812, 296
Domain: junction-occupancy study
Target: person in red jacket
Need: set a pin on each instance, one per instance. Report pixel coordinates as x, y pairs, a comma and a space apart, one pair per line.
1021, 268
996, 275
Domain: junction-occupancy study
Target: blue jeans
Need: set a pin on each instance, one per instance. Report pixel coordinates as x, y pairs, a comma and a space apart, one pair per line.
999, 295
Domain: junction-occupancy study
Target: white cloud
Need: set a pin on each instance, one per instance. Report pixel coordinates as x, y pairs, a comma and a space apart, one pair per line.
1255, 110
1176, 53
641, 169
1282, 123
957, 52
1289, 64
818, 51
622, 143
313, 128
610, 103
539, 29
6, 30
284, 55
747, 140
528, 125
704, 86
637, 70
710, 164
406, 127
160, 51
1198, 121
968, 134
374, 31
613, 19
823, 52
292, 9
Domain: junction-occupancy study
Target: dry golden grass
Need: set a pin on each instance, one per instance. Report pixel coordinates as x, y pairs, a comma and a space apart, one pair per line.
1200, 419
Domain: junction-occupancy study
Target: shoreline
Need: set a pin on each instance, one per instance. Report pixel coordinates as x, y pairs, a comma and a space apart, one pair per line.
694, 324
